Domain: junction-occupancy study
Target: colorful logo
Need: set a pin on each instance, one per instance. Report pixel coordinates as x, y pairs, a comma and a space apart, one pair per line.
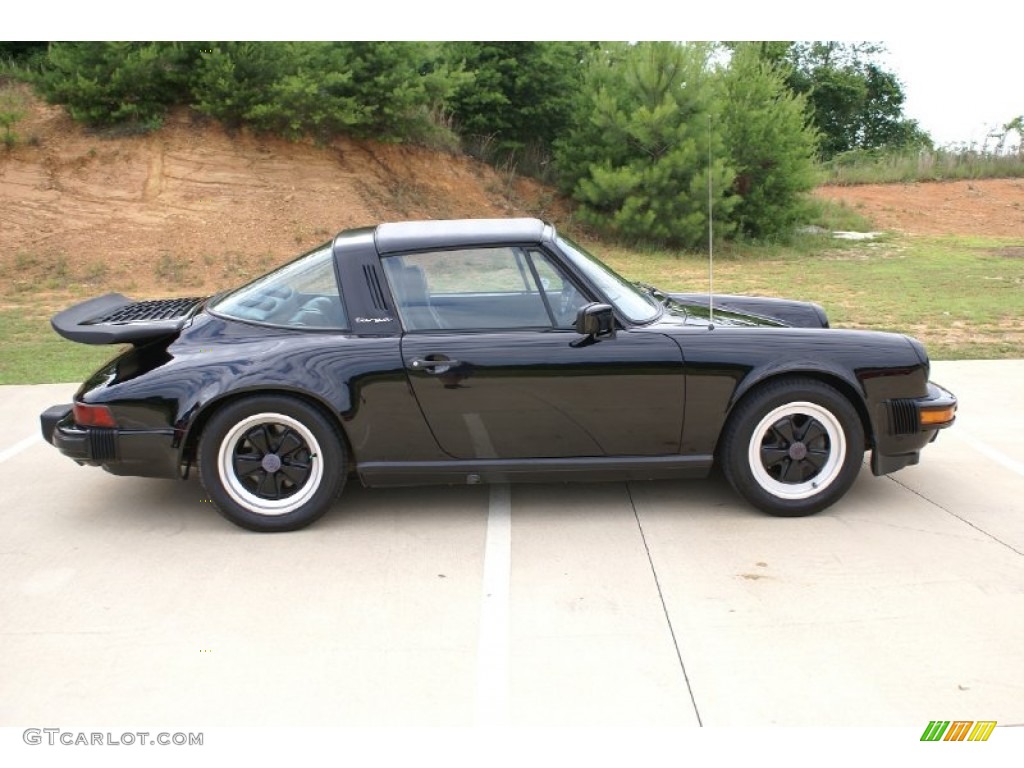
958, 730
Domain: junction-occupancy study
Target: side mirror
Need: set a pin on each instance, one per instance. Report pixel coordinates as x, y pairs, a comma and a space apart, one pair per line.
596, 321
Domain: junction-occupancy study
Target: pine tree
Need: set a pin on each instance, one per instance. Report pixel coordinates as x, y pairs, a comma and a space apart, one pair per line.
638, 158
107, 83
769, 142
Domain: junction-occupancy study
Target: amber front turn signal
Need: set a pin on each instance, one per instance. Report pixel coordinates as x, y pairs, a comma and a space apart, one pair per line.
931, 418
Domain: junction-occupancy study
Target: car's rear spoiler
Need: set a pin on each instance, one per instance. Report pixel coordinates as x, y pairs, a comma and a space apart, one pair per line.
116, 319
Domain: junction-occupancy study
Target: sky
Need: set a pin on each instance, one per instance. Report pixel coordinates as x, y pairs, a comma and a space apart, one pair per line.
960, 69
959, 97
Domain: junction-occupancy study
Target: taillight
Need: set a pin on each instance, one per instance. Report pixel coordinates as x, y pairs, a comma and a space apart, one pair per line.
93, 416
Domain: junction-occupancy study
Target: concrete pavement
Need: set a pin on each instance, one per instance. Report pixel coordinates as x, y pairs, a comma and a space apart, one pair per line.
128, 600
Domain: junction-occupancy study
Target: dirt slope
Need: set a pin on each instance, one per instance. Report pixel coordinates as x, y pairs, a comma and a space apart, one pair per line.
990, 207
195, 206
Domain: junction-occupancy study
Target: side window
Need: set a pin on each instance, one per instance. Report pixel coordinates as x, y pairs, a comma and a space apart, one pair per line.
470, 289
301, 294
561, 293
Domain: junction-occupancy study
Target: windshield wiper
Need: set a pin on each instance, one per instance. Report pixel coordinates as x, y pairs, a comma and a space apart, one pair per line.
667, 302
661, 299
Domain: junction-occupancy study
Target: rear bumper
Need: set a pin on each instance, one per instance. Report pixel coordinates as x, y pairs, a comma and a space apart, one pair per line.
904, 448
51, 417
143, 453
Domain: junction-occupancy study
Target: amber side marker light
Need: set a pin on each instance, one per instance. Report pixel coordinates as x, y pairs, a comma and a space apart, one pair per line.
93, 416
937, 416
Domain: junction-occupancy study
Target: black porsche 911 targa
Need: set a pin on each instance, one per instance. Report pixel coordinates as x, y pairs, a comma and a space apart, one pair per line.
478, 351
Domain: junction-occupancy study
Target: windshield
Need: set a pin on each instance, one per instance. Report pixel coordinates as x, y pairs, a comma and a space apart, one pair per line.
301, 294
636, 305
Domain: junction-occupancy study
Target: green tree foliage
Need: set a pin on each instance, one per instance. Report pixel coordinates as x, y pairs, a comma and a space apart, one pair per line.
232, 79
637, 156
384, 90
388, 90
856, 104
293, 89
104, 84
637, 159
403, 84
768, 141
521, 93
22, 53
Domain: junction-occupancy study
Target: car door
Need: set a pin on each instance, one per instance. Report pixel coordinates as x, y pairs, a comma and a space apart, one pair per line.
499, 372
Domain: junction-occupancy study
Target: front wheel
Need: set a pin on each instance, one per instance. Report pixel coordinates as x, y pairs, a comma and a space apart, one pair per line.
793, 447
271, 463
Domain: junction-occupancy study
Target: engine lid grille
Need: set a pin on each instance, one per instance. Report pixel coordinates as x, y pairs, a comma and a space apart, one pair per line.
146, 311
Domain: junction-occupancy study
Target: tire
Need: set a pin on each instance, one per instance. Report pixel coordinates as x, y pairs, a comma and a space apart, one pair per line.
793, 447
271, 462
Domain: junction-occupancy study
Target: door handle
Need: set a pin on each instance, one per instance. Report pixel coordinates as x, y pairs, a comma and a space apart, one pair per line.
432, 366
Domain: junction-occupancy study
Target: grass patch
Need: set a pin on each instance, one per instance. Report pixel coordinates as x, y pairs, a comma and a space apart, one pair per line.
13, 107
880, 167
835, 216
176, 270
32, 353
963, 297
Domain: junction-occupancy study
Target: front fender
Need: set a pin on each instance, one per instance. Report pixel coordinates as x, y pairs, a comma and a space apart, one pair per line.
725, 364
824, 370
796, 314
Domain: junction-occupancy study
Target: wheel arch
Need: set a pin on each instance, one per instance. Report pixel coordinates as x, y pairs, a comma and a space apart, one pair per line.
190, 444
838, 381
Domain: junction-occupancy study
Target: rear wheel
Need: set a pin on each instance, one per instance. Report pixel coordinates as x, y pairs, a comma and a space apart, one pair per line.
793, 447
271, 463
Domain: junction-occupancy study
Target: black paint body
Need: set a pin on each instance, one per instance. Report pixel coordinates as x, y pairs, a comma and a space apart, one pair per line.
649, 402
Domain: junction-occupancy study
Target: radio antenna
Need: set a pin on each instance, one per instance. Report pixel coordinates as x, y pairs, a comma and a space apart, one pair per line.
711, 240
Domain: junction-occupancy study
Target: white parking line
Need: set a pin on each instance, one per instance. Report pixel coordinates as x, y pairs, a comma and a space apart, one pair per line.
998, 457
492, 648
19, 446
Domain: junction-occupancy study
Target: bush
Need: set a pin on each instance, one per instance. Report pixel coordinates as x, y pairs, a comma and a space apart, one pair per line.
232, 79
104, 84
521, 95
388, 90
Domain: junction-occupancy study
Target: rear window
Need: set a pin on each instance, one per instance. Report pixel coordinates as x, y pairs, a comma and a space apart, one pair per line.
301, 294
